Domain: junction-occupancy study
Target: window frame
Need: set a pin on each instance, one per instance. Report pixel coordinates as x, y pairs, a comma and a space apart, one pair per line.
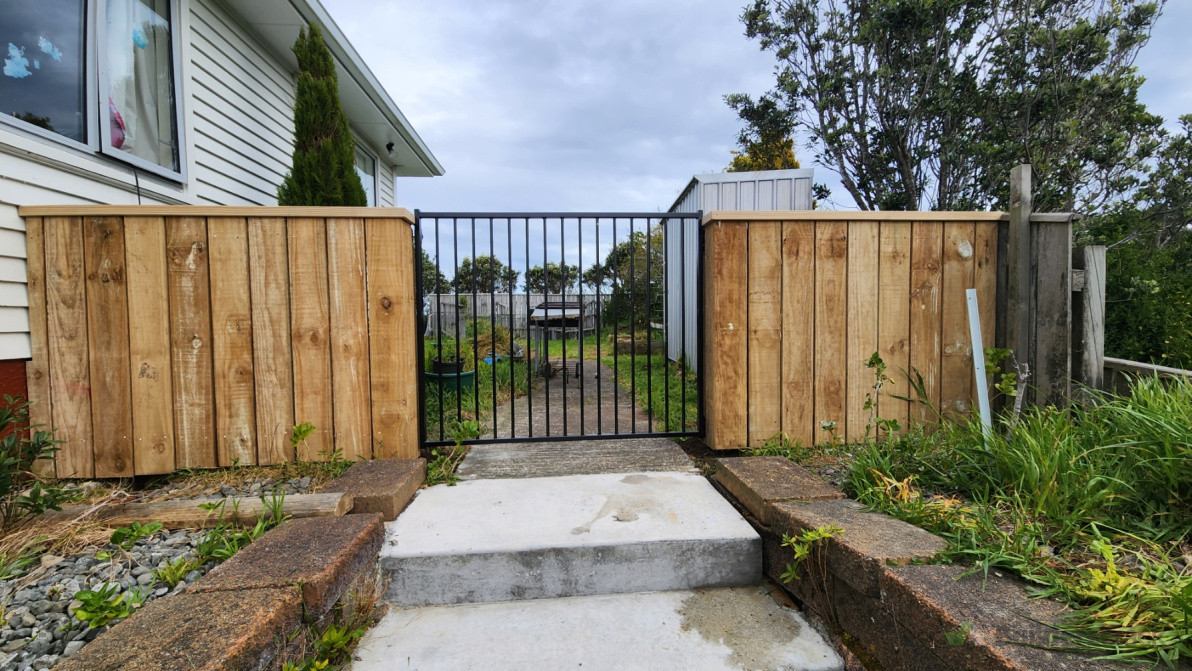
90, 72
103, 131
360, 146
98, 134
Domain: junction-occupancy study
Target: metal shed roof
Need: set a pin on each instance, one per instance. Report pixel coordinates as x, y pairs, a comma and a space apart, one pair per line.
724, 177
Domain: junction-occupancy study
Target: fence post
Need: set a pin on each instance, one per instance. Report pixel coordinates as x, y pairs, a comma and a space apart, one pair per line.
1018, 267
1051, 308
1088, 318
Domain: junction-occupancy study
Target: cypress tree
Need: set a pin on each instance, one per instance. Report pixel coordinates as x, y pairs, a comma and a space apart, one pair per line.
323, 170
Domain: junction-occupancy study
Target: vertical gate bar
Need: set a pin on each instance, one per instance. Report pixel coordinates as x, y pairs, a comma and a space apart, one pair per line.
459, 409
579, 233
683, 326
419, 328
546, 329
666, 224
650, 337
616, 354
439, 317
632, 324
599, 333
563, 310
512, 370
492, 323
475, 330
701, 252
529, 345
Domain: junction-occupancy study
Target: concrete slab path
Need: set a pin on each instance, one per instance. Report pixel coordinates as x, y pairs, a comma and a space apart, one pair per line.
715, 629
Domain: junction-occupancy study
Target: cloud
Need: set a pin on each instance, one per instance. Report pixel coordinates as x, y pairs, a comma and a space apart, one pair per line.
546, 105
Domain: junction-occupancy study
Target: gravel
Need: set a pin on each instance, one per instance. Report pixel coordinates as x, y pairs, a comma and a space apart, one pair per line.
37, 624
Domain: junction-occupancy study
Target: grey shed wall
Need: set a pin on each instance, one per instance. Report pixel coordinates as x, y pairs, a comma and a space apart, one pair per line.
766, 190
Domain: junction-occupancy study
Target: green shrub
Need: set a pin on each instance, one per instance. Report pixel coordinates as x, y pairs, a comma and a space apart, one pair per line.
22, 493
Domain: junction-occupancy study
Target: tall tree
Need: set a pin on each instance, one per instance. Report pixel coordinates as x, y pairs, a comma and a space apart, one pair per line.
554, 279
487, 274
323, 170
926, 105
765, 142
433, 279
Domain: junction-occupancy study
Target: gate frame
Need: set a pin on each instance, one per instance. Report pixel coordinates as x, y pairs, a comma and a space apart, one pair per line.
701, 420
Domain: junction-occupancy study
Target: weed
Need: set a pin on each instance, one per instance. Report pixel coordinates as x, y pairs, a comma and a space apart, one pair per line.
99, 607
175, 571
958, 637
225, 539
441, 468
781, 445
803, 545
330, 644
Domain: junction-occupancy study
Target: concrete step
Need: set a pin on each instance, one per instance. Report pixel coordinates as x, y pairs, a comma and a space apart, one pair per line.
742, 628
577, 457
540, 538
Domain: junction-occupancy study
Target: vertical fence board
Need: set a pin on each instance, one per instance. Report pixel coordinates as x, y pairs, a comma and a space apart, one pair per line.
765, 330
392, 359
831, 329
273, 375
149, 345
231, 326
985, 282
894, 316
349, 337
1052, 249
927, 240
861, 322
107, 336
37, 373
726, 294
66, 326
798, 330
310, 333
956, 363
187, 274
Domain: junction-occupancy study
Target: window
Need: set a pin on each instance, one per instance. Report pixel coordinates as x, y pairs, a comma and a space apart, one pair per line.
366, 168
73, 67
138, 121
44, 80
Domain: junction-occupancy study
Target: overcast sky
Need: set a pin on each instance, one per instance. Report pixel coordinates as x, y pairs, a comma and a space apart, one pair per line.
540, 105
611, 105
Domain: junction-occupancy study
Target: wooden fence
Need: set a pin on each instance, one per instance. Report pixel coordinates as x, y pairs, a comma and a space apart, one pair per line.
797, 302
193, 337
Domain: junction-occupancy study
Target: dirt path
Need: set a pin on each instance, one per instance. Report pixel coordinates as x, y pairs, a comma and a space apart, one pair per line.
597, 406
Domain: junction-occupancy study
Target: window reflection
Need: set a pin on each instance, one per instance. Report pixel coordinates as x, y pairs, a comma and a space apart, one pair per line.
139, 99
366, 168
42, 49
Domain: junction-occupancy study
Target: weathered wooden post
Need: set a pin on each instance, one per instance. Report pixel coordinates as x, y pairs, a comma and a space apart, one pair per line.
1018, 268
1088, 318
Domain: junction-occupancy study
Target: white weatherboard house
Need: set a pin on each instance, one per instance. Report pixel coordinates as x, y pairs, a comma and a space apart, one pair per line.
761, 190
166, 102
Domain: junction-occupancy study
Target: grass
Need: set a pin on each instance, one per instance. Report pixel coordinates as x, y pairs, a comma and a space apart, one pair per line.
662, 388
1090, 504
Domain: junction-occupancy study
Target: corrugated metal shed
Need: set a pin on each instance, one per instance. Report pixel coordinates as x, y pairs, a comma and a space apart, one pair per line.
763, 190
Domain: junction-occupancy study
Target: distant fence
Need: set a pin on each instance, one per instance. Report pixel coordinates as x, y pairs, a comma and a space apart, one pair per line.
446, 313
798, 301
175, 337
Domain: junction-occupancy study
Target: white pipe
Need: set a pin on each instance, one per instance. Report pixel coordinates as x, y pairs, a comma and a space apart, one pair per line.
979, 361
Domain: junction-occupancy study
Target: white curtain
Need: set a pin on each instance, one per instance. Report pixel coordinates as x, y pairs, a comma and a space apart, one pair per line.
140, 80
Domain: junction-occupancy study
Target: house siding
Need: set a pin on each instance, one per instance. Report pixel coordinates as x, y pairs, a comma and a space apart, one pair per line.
238, 129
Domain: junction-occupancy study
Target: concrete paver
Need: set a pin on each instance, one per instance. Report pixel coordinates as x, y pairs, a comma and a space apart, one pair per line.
715, 629
577, 457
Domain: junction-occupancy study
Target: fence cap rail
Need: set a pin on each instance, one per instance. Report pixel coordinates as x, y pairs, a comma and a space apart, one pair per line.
214, 211
849, 215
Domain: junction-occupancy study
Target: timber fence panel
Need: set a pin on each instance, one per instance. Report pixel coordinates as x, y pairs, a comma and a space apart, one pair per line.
851, 285
195, 337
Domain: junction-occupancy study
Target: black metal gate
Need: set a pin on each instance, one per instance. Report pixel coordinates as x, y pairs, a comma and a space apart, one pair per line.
557, 326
